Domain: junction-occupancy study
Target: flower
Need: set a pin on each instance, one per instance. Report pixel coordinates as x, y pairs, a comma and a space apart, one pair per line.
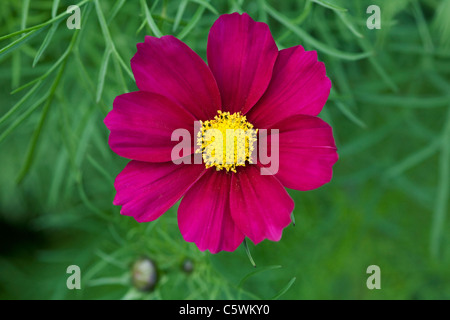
248, 84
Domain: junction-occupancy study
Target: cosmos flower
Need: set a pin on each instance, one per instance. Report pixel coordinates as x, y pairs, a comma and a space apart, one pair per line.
248, 84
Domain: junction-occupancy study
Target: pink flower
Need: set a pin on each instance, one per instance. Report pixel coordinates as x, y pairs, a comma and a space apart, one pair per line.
247, 79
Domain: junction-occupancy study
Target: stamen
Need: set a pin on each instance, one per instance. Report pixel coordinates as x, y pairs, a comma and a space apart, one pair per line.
227, 141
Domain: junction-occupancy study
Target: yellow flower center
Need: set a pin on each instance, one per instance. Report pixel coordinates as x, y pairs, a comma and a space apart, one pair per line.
227, 141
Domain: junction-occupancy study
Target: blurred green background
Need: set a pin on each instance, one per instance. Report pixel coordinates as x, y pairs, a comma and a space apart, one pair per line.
386, 205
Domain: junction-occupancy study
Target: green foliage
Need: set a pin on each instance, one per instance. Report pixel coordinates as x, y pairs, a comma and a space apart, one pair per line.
386, 205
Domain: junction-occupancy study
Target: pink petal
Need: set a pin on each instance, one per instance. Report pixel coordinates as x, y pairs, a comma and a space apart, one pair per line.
169, 67
260, 206
204, 214
307, 152
147, 190
299, 85
241, 54
141, 125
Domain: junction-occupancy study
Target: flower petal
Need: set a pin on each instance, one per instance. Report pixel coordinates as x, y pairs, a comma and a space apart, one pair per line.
141, 125
241, 54
169, 67
147, 190
204, 214
299, 85
260, 206
307, 152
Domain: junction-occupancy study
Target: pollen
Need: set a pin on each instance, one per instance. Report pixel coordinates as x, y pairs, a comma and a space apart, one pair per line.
227, 141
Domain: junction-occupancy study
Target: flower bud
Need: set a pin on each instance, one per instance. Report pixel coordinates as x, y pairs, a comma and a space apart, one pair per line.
188, 266
144, 274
